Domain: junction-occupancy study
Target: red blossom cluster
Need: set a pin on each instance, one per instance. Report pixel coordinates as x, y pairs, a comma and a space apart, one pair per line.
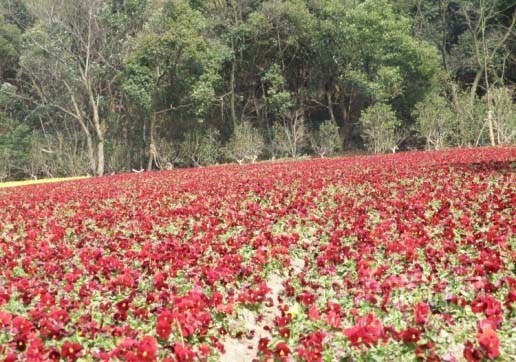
373, 257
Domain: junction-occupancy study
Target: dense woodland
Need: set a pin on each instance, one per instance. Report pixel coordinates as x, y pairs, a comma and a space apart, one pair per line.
103, 86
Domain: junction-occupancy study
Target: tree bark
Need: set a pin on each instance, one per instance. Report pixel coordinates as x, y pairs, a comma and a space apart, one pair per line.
474, 86
100, 156
233, 86
330, 106
79, 115
443, 7
91, 150
152, 145
488, 90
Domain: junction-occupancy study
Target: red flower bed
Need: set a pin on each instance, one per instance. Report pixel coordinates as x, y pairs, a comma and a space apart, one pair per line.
391, 257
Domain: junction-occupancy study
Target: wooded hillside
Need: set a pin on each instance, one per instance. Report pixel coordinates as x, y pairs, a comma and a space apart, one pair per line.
103, 86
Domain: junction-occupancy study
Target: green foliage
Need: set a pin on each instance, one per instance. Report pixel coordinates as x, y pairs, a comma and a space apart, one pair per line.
376, 54
435, 121
14, 146
380, 128
127, 16
138, 85
289, 135
469, 119
175, 61
10, 39
246, 143
326, 140
278, 99
504, 114
200, 148
16, 12
55, 155
163, 72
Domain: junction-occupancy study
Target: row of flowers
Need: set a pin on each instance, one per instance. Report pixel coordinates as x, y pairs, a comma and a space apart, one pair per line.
391, 257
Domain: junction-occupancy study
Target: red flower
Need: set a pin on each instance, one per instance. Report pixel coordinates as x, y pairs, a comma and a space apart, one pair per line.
263, 344
160, 281
123, 306
306, 298
146, 350
70, 350
183, 352
54, 354
36, 350
282, 350
368, 331
410, 335
313, 314
311, 349
163, 329
333, 319
11, 357
22, 325
5, 319
284, 332
472, 354
204, 349
488, 339
421, 313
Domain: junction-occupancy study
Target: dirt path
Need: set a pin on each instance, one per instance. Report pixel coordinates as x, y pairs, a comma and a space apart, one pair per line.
246, 350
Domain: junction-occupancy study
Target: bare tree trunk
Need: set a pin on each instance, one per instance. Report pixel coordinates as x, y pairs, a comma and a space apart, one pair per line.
100, 156
488, 91
477, 26
99, 130
330, 106
474, 86
233, 86
152, 145
98, 124
91, 150
79, 116
490, 127
443, 8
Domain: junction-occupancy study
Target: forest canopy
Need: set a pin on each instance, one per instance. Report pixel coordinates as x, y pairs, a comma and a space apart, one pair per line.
106, 86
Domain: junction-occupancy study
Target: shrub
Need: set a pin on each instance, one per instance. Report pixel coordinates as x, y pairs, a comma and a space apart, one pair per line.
289, 135
53, 155
435, 121
504, 114
326, 141
246, 143
14, 147
380, 128
469, 116
201, 148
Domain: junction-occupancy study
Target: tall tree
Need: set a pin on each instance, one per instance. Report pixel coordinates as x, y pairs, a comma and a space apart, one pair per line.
67, 65
488, 41
174, 68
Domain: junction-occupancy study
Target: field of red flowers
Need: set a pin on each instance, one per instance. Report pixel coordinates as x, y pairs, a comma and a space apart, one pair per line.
396, 258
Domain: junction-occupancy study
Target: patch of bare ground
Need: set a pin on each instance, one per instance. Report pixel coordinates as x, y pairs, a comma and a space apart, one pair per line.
246, 349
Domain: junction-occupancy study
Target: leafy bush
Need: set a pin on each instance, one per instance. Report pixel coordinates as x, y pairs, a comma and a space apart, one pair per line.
53, 155
246, 143
435, 121
504, 114
380, 128
201, 148
289, 135
14, 147
326, 141
469, 117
